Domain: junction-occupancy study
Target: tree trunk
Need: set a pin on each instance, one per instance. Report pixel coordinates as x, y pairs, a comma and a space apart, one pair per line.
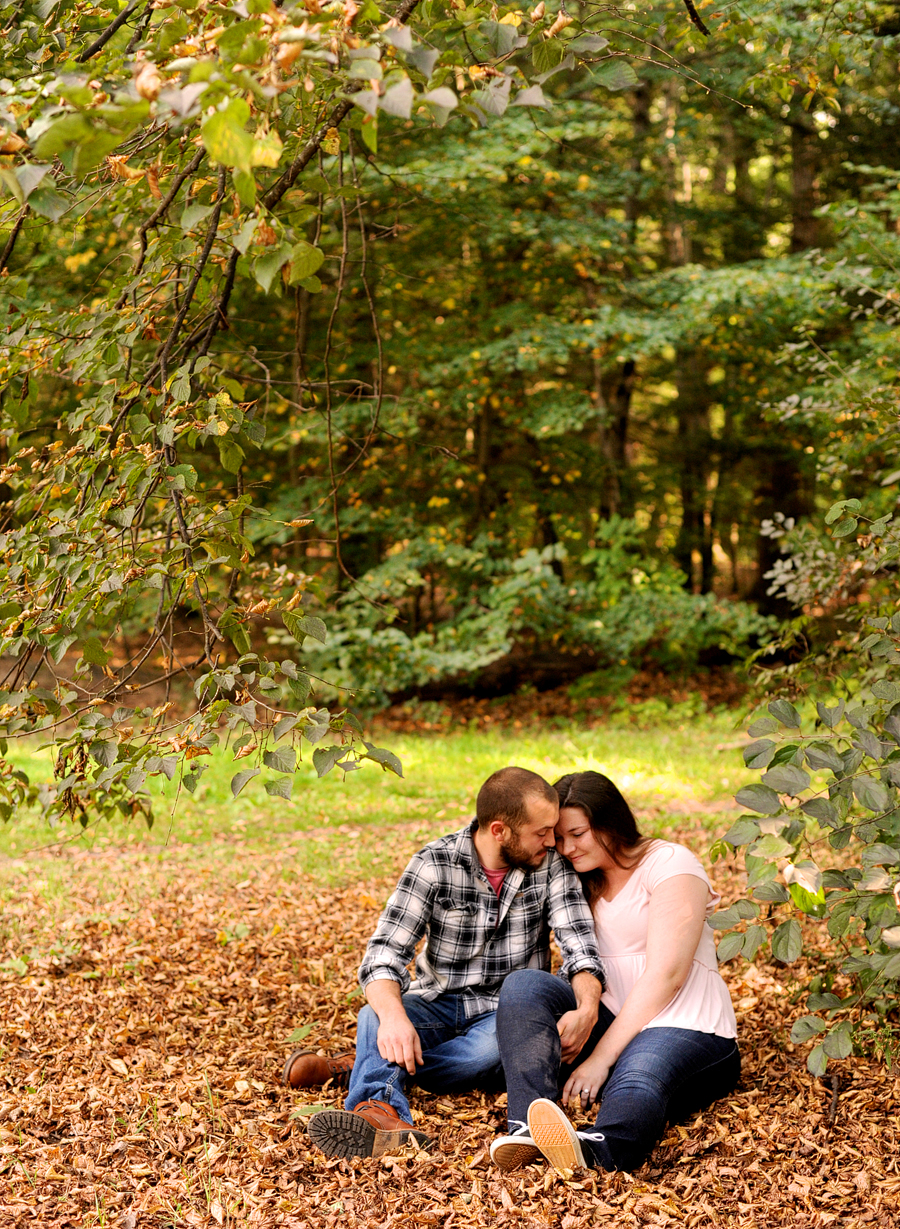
694, 466
805, 151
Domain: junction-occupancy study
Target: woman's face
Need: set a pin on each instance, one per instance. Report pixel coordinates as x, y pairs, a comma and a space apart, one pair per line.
577, 841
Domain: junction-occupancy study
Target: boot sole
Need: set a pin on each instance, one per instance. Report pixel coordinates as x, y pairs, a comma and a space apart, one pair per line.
345, 1134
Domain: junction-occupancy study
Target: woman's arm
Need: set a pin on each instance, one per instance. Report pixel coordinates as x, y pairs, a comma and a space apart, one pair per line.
676, 919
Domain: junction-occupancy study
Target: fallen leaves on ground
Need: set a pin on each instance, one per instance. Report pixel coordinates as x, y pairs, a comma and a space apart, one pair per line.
140, 1084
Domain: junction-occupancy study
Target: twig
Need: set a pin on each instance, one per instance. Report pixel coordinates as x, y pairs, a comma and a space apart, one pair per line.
696, 18
161, 208
13, 236
835, 1094
99, 43
142, 24
335, 119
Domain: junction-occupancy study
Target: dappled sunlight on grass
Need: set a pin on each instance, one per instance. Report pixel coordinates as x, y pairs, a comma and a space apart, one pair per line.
341, 830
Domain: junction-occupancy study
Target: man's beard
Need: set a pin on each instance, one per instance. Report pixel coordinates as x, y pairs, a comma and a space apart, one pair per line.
516, 857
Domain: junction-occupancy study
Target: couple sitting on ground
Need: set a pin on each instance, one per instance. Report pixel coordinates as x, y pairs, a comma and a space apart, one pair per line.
638, 1019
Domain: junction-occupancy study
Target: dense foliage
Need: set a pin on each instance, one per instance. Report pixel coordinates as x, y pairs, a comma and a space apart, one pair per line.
824, 841
466, 328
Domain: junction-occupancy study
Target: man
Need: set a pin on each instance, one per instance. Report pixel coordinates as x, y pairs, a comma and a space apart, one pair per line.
486, 898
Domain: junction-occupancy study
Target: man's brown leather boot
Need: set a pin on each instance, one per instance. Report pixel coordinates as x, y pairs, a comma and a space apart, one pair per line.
372, 1129
304, 1069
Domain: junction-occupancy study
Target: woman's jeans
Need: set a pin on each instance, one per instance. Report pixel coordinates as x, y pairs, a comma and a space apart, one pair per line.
459, 1051
663, 1074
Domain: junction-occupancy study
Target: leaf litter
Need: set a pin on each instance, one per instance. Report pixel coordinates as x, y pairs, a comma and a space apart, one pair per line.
140, 1083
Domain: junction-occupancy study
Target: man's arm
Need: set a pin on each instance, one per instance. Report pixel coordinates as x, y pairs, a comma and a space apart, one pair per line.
398, 1041
384, 974
575, 1026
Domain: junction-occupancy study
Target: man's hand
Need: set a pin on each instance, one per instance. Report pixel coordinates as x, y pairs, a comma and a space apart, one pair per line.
399, 1043
574, 1029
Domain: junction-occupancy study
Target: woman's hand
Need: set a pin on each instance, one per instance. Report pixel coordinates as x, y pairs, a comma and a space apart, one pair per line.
584, 1084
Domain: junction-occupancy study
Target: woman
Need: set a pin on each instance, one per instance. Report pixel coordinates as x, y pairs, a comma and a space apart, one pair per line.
664, 1043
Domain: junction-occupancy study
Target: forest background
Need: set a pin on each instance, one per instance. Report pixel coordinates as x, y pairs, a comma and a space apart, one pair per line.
357, 355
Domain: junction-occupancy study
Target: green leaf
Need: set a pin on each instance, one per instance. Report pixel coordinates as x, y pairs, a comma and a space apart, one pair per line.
811, 903
532, 97
283, 726
194, 214
729, 946
845, 528
787, 942
298, 1035
225, 137
806, 1028
830, 716
890, 692
839, 1042
305, 261
765, 725
306, 625
880, 854
754, 937
105, 752
267, 266
817, 1061
821, 755
279, 787
616, 75
47, 203
871, 793
784, 711
386, 759
231, 454
787, 779
546, 54
772, 846
725, 919
759, 798
759, 754
742, 831
283, 759
325, 758
240, 779
93, 651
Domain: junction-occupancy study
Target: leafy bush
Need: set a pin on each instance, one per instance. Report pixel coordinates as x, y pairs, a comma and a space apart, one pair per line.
616, 603
824, 839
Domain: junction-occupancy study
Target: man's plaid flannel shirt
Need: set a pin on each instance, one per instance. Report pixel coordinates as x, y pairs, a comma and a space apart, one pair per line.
475, 939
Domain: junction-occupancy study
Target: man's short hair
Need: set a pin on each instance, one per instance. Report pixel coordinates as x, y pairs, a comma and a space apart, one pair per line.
505, 795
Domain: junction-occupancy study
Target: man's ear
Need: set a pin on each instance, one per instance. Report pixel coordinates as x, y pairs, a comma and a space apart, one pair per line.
498, 830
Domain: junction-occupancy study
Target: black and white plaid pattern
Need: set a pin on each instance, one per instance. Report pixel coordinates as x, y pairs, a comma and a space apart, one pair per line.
474, 939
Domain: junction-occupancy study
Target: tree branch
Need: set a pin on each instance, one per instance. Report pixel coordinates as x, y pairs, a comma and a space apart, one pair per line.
335, 119
13, 236
696, 18
99, 43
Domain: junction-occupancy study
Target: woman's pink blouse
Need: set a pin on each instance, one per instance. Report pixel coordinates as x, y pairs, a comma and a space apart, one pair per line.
703, 1002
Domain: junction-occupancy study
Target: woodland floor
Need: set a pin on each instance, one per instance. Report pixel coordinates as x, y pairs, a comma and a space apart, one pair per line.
140, 1085
148, 996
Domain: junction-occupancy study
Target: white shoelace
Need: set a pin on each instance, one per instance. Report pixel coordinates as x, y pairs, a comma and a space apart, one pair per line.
593, 1137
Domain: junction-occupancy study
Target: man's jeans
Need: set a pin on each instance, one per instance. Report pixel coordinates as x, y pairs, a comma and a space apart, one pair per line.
458, 1053
663, 1074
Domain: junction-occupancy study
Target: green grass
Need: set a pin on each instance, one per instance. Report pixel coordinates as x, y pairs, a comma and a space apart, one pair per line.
679, 775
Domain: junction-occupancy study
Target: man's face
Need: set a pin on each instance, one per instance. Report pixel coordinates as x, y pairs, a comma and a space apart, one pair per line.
526, 848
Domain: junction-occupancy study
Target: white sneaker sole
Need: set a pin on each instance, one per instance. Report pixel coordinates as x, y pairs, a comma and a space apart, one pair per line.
509, 1153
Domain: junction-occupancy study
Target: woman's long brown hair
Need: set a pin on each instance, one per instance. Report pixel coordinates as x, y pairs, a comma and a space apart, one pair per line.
611, 820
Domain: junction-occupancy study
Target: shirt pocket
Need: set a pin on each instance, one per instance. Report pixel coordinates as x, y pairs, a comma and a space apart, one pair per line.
456, 929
